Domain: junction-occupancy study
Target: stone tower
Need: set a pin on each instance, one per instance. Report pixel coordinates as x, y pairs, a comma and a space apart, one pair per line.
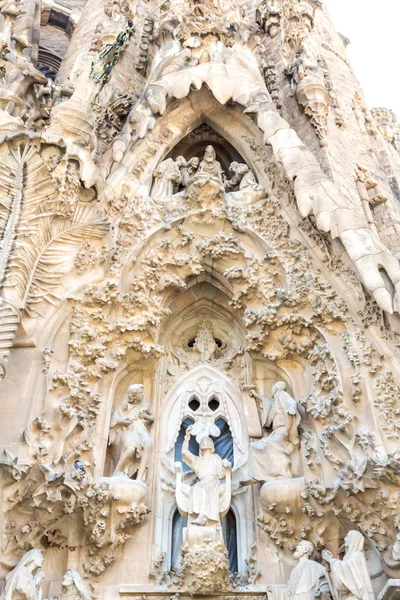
200, 296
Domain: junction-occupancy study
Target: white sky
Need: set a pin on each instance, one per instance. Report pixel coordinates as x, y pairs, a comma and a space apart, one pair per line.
373, 27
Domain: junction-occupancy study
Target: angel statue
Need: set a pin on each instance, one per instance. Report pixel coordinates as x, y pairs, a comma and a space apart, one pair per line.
24, 582
72, 587
350, 576
208, 499
271, 456
131, 443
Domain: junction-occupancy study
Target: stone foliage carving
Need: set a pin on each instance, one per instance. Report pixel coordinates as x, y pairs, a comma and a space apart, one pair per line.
143, 250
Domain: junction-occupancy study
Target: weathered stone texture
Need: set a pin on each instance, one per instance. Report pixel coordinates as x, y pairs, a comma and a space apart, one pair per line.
199, 316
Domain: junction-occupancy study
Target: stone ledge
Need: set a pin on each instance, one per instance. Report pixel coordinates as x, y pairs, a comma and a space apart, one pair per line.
391, 591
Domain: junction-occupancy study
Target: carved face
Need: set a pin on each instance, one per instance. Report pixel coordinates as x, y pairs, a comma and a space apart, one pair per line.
303, 549
39, 560
209, 154
67, 580
206, 446
135, 394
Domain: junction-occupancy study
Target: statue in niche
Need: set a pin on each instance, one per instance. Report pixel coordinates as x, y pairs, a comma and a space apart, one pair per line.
308, 580
166, 175
204, 342
249, 190
206, 185
73, 587
210, 168
24, 582
204, 506
271, 457
130, 442
188, 170
350, 576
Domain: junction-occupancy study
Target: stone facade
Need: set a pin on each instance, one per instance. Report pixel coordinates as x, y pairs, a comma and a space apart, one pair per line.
200, 375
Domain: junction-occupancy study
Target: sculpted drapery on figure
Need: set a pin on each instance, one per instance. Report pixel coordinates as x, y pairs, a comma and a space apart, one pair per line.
350, 576
131, 444
24, 582
210, 168
204, 495
270, 457
308, 580
166, 176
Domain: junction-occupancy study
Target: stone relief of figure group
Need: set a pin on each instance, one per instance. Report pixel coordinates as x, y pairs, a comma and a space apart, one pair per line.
205, 502
271, 458
25, 581
204, 181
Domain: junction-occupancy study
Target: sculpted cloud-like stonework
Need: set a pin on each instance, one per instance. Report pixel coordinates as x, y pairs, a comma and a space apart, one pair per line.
199, 312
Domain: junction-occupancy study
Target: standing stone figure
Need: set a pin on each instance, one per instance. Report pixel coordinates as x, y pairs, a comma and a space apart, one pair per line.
204, 496
350, 576
308, 580
131, 444
165, 176
204, 342
73, 588
270, 457
24, 582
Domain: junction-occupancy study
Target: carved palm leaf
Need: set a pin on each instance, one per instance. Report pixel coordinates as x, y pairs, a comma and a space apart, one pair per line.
25, 183
47, 250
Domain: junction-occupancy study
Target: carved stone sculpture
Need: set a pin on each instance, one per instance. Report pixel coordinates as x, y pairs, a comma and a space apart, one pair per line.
131, 444
204, 342
270, 457
207, 499
309, 85
24, 581
385, 121
73, 587
166, 176
20, 76
167, 216
308, 579
206, 182
204, 504
350, 576
249, 190
269, 16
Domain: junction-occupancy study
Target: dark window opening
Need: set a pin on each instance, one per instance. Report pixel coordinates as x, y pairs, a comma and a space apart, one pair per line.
194, 404
213, 404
